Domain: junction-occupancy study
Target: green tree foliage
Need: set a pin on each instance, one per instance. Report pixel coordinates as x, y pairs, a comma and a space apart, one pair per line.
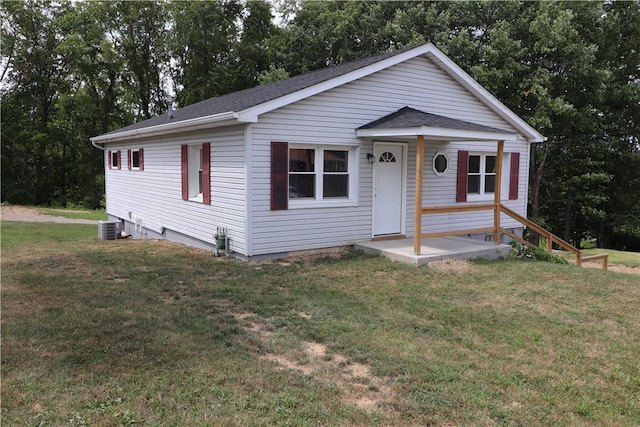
139, 29
203, 43
254, 50
36, 69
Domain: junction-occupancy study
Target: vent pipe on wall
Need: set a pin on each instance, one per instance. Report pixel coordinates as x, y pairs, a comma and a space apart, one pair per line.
170, 107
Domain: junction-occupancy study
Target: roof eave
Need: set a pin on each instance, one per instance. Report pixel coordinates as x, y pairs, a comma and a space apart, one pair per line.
437, 133
214, 120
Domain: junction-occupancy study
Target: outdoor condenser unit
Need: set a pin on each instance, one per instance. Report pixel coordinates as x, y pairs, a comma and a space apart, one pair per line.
108, 230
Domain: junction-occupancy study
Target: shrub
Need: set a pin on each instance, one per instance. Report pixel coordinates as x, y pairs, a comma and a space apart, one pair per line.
534, 254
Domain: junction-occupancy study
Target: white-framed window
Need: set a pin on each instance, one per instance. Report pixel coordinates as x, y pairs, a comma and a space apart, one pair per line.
114, 159
440, 163
476, 178
321, 174
196, 176
195, 172
481, 176
135, 159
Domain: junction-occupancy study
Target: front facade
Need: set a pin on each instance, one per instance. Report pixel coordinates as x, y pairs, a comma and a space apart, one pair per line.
328, 163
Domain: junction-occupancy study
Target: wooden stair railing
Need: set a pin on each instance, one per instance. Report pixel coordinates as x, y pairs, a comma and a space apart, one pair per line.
550, 238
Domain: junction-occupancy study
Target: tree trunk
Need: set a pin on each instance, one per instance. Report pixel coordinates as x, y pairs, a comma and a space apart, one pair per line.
568, 213
536, 182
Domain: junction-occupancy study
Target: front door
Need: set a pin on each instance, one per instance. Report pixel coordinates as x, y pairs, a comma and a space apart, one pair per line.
388, 188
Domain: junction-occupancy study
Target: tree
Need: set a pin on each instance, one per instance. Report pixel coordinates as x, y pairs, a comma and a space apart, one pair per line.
35, 75
139, 31
203, 46
254, 51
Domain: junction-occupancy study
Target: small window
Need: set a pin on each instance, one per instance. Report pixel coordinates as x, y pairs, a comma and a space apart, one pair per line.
387, 157
196, 175
115, 159
195, 172
135, 159
440, 163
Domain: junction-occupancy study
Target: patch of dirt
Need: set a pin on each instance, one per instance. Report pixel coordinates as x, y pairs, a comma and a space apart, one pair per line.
451, 265
614, 267
22, 213
358, 385
308, 256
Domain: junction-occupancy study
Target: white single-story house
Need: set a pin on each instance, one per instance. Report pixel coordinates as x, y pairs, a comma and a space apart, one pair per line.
373, 149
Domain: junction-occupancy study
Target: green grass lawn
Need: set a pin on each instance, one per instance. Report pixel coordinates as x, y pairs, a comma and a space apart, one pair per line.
630, 259
96, 215
151, 333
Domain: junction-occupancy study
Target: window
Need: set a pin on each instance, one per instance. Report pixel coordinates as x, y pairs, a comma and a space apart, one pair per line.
114, 159
136, 159
481, 178
440, 163
308, 175
477, 175
318, 173
196, 178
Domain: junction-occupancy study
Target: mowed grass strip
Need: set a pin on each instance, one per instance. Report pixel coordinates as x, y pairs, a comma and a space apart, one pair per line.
151, 333
95, 215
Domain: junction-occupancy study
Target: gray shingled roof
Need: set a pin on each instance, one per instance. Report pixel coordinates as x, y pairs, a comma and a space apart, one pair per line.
407, 117
238, 101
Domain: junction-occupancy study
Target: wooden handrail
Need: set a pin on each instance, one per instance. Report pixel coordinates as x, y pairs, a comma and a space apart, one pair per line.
552, 238
549, 236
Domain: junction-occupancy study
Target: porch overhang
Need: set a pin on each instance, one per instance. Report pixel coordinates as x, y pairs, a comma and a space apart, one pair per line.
437, 134
409, 122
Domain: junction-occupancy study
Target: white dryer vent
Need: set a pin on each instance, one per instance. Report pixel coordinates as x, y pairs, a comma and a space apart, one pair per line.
108, 230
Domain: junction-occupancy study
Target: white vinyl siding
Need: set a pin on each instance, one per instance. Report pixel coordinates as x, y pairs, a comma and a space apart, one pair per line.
155, 196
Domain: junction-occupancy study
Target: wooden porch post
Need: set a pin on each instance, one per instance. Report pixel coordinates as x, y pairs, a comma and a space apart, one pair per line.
419, 177
498, 188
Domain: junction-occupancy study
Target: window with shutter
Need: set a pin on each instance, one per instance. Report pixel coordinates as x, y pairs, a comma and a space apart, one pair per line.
195, 165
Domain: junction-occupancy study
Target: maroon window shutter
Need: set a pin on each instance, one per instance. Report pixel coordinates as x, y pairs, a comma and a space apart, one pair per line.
463, 171
129, 159
184, 167
141, 158
514, 176
279, 175
206, 173
109, 160
119, 159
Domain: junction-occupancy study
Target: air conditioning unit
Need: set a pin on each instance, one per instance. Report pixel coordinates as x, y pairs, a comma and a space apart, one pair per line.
108, 230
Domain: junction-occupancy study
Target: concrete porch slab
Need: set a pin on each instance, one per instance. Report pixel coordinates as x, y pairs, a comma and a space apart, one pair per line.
434, 249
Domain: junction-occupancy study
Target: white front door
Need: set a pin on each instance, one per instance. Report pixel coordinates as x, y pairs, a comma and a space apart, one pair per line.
388, 188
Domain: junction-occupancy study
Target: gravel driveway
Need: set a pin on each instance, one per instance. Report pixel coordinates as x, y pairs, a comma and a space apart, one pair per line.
21, 213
